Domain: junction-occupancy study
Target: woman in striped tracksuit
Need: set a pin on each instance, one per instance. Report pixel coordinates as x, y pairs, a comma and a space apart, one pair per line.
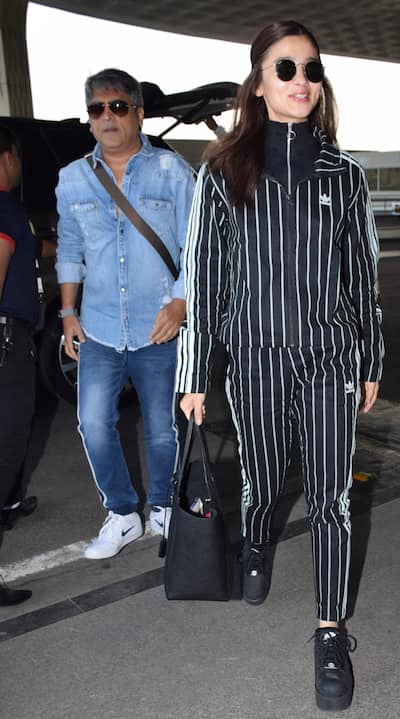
281, 266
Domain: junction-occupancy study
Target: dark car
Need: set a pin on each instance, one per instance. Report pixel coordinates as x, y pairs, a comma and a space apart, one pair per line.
45, 147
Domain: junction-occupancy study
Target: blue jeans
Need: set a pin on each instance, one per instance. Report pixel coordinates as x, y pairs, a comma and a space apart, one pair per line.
102, 373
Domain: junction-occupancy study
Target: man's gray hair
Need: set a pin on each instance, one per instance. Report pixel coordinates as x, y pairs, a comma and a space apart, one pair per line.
115, 80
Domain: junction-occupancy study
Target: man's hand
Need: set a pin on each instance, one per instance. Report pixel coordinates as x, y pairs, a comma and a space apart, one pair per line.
168, 321
369, 393
193, 402
72, 328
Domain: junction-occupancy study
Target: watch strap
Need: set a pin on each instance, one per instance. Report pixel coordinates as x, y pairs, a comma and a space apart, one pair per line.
68, 312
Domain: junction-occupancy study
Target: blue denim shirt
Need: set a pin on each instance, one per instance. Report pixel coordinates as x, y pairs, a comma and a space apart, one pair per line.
125, 281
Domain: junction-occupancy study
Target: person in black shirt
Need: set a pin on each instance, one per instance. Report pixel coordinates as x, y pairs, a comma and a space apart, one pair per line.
281, 265
19, 310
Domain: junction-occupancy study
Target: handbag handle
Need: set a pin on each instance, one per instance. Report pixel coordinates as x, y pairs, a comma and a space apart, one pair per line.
194, 430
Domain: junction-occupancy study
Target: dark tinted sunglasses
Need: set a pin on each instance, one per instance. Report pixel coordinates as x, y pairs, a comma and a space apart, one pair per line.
118, 107
286, 70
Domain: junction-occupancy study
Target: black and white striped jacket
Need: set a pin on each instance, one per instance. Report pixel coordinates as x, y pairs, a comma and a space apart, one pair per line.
291, 270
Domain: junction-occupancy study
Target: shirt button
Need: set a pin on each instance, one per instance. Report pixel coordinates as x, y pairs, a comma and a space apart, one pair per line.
122, 289
122, 259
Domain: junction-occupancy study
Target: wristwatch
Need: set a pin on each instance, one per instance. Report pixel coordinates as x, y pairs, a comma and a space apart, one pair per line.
67, 312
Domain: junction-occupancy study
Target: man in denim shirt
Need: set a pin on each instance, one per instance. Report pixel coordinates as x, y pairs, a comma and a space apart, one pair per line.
131, 307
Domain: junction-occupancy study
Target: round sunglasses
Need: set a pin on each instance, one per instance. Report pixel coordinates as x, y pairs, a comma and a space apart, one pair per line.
120, 108
286, 69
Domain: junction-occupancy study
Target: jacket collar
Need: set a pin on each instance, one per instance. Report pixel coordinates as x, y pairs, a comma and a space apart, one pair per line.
330, 158
146, 150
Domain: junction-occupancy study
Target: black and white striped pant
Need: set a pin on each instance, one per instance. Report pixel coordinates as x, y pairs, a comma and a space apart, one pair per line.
268, 390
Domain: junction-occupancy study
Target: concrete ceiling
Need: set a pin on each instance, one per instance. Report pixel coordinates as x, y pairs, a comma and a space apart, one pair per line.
356, 28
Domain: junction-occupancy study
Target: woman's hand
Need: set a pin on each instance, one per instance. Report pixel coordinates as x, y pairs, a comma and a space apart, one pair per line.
369, 393
193, 402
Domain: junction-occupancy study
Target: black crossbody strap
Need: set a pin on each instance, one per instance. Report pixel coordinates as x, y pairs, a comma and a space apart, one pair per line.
130, 212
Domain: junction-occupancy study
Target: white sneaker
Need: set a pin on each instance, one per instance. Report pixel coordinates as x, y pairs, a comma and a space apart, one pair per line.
117, 531
160, 517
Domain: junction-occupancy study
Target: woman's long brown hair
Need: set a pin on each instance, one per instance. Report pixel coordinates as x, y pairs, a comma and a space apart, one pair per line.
240, 154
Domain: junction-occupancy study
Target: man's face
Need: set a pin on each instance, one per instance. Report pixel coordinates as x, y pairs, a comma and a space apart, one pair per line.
116, 134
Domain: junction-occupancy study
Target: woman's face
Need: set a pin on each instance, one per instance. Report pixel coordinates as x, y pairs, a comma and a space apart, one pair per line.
295, 99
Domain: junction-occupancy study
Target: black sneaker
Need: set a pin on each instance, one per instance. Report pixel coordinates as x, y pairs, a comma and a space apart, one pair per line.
256, 573
333, 672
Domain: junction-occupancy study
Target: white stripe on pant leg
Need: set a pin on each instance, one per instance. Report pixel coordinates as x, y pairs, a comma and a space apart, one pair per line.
100, 491
256, 379
246, 486
332, 438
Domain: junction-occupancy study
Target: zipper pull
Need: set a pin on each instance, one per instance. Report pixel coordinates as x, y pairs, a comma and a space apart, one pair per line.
290, 133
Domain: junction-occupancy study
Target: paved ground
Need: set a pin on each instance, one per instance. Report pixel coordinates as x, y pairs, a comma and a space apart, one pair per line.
98, 639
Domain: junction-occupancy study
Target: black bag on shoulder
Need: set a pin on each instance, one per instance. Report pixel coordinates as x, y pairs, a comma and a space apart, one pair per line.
199, 563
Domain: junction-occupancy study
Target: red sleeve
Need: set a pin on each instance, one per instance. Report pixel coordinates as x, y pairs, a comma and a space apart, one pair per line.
8, 239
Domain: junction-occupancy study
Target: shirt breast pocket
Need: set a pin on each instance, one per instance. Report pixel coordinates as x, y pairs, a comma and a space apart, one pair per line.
155, 211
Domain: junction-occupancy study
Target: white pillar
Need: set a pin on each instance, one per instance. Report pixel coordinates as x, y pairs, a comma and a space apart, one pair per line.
4, 98
15, 86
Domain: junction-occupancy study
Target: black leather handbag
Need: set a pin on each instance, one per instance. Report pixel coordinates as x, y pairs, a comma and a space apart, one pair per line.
199, 563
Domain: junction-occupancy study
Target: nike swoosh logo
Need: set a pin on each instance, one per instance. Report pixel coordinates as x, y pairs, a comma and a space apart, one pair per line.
160, 524
124, 532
